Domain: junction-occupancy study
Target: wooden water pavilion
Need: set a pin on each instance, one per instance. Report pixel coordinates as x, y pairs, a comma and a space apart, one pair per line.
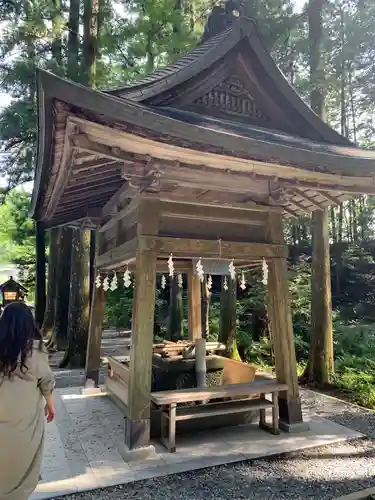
201, 159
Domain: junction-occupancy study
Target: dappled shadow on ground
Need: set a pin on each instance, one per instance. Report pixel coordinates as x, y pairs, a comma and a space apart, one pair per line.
321, 474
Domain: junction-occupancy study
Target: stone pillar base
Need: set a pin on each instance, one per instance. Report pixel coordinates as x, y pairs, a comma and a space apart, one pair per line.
294, 428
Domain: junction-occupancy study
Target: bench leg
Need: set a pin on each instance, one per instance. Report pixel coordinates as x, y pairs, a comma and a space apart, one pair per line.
262, 417
274, 428
275, 413
172, 429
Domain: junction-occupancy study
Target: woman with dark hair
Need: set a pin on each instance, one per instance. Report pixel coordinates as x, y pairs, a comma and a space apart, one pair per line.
26, 385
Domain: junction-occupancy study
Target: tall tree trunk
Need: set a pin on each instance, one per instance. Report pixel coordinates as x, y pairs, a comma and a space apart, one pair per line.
90, 46
56, 47
79, 299
78, 316
175, 313
59, 339
49, 315
73, 40
228, 318
320, 365
40, 286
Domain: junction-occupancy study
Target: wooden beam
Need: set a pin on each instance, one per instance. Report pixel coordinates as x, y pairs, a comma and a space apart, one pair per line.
127, 190
91, 186
92, 368
290, 212
330, 198
304, 196
170, 152
248, 207
74, 217
95, 164
118, 256
82, 196
282, 332
192, 248
128, 214
299, 205
194, 305
210, 213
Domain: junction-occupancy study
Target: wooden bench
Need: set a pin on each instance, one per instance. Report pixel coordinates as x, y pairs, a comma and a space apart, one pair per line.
167, 401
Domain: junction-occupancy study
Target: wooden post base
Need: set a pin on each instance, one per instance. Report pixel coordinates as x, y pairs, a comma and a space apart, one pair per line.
137, 433
290, 414
92, 375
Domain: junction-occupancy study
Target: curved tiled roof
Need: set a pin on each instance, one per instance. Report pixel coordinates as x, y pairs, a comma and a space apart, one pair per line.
160, 74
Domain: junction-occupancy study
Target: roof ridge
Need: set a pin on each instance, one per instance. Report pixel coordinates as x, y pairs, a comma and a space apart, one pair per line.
185, 61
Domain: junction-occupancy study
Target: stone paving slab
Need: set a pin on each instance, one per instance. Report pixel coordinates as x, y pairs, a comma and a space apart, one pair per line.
81, 451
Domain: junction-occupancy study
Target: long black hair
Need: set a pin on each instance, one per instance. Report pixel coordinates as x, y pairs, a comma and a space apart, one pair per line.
18, 331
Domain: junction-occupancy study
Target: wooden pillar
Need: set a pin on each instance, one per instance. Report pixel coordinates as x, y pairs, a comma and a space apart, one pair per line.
137, 422
282, 333
194, 305
99, 297
40, 285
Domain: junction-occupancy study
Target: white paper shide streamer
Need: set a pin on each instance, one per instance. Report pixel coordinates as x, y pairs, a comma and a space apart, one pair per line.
180, 281
199, 270
114, 283
106, 284
98, 281
225, 286
232, 270
127, 278
265, 272
171, 266
209, 282
243, 281
163, 282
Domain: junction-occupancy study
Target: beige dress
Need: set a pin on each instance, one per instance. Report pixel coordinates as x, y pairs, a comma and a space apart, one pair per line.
22, 426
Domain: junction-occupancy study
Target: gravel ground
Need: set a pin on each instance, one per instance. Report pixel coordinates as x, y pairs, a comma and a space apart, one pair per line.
322, 473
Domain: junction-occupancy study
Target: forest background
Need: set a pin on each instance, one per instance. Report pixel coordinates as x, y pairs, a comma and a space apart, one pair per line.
105, 43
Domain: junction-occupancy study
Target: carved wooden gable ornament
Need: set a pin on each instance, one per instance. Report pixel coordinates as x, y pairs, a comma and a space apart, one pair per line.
231, 97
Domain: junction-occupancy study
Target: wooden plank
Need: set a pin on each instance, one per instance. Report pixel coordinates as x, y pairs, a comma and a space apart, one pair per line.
332, 199
282, 330
194, 305
117, 256
304, 196
191, 248
95, 335
225, 408
222, 391
127, 190
246, 207
211, 213
130, 211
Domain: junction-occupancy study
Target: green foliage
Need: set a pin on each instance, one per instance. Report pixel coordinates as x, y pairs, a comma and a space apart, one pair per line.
17, 236
118, 309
